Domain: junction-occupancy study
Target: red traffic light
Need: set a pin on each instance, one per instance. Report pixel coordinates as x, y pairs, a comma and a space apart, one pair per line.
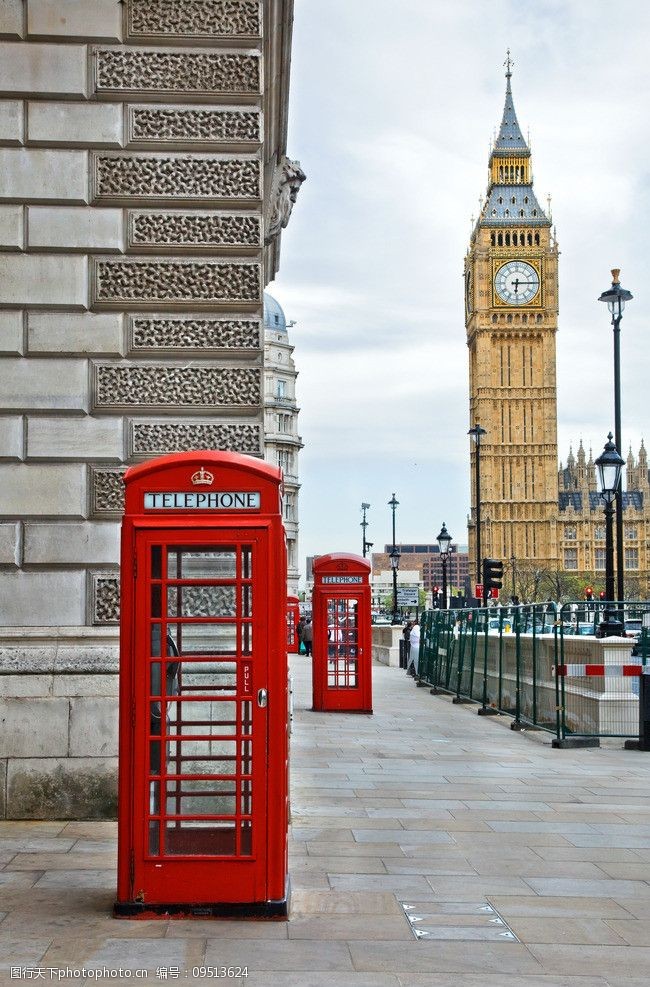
436, 589
589, 592
602, 594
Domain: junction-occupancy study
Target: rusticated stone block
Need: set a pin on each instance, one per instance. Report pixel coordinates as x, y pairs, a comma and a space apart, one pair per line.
75, 228
42, 70
62, 788
9, 544
193, 19
71, 124
11, 121
159, 385
181, 177
104, 598
40, 176
60, 543
176, 72
156, 333
175, 282
193, 125
69, 438
93, 726
158, 438
43, 280
11, 228
11, 18
11, 437
75, 332
42, 599
194, 231
106, 492
11, 331
35, 729
99, 20
43, 384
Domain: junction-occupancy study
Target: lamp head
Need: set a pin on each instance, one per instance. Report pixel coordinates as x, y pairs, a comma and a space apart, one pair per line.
609, 466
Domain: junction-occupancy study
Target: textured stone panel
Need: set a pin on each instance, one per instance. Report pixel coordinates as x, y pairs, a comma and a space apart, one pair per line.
35, 729
11, 121
189, 177
42, 70
194, 125
194, 231
75, 228
11, 18
157, 333
106, 492
161, 385
93, 726
11, 228
183, 72
99, 20
11, 437
41, 176
75, 438
75, 332
62, 788
83, 124
29, 384
11, 331
43, 280
9, 544
62, 543
193, 19
147, 282
105, 598
42, 599
158, 438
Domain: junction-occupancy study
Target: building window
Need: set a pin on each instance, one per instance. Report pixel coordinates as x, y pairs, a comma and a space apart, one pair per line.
599, 559
631, 558
284, 424
285, 461
280, 388
599, 533
288, 509
570, 558
570, 532
632, 534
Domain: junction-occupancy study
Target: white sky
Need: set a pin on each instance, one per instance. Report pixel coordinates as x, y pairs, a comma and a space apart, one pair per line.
393, 105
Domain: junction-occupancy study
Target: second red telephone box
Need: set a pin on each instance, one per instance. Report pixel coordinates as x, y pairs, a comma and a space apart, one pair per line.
293, 616
342, 647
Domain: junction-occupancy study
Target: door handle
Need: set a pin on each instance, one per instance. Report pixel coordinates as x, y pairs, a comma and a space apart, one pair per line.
262, 698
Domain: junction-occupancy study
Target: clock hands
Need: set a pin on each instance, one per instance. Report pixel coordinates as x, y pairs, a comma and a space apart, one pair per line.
517, 282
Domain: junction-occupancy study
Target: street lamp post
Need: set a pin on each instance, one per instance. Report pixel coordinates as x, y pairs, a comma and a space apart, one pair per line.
477, 433
609, 466
394, 559
616, 297
444, 542
364, 525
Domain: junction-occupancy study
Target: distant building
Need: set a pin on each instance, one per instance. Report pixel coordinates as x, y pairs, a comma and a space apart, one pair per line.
425, 559
582, 521
281, 440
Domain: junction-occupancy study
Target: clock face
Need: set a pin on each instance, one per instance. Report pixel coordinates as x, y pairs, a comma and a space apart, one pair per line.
516, 282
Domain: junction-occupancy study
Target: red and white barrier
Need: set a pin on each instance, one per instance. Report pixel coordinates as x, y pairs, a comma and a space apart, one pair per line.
580, 671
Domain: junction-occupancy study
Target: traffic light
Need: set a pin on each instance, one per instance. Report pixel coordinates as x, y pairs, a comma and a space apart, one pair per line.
589, 593
492, 575
601, 595
436, 600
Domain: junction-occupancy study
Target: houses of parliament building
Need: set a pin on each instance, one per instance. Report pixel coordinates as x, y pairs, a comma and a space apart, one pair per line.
530, 513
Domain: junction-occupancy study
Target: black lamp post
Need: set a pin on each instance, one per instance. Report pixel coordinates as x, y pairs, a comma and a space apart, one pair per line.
616, 297
394, 564
609, 466
364, 525
394, 559
477, 433
444, 541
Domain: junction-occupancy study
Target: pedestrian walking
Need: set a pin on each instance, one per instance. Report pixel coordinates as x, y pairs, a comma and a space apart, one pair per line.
414, 652
308, 636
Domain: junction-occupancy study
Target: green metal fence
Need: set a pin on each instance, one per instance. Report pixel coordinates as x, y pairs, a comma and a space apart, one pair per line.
546, 666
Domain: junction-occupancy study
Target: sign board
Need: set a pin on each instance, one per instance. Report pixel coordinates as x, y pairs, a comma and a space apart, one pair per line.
224, 500
479, 591
342, 579
407, 596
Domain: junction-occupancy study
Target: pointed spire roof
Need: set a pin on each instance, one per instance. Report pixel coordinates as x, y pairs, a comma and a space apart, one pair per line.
510, 137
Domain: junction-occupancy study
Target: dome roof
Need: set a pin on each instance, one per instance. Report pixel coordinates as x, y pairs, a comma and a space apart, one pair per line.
274, 317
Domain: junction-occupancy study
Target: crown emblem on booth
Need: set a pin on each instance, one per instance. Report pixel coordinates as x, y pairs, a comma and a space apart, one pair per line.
202, 478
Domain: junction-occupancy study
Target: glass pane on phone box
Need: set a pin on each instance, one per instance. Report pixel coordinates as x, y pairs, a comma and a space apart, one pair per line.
198, 562
200, 601
211, 837
202, 718
209, 677
205, 639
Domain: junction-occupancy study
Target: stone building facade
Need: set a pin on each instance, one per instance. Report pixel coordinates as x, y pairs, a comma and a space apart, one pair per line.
282, 443
582, 522
511, 309
144, 185
425, 560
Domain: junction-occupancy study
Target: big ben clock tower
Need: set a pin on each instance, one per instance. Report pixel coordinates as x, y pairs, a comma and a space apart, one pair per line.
511, 307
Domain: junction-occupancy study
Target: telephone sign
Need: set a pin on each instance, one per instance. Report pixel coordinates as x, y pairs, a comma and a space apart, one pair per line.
203, 793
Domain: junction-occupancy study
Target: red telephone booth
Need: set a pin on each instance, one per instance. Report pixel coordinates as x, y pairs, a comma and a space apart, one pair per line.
293, 616
203, 690
342, 647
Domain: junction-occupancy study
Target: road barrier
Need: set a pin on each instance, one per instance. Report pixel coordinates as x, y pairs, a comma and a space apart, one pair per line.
546, 666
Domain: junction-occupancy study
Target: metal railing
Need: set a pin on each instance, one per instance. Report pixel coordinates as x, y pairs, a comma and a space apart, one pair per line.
544, 665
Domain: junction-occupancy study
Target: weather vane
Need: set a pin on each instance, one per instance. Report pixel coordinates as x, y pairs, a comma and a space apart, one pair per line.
508, 64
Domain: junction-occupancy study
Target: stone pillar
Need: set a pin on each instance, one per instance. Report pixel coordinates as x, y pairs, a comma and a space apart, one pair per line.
143, 187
